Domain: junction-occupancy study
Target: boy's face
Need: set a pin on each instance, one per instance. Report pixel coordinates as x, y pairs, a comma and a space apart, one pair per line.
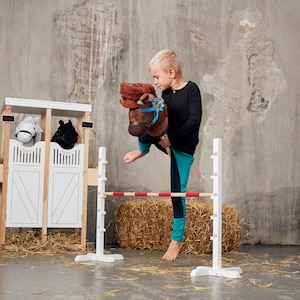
163, 78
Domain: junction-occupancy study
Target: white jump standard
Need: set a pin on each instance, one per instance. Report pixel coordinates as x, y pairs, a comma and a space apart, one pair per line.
99, 255
216, 269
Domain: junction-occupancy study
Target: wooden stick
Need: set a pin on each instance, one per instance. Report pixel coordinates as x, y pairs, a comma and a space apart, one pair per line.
168, 148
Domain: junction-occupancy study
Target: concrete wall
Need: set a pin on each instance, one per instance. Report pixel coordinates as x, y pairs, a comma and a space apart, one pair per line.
243, 54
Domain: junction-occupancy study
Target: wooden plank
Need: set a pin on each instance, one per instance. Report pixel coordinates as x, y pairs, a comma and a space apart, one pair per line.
1, 173
5, 177
43, 125
85, 183
79, 130
2, 142
47, 132
92, 177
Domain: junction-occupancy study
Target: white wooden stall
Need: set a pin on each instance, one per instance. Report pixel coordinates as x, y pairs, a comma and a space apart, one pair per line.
45, 186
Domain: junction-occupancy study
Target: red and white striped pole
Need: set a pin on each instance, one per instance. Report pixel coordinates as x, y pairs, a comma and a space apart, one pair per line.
160, 194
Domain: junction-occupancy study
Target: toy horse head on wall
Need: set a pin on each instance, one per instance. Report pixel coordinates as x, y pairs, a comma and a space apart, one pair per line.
66, 135
147, 112
28, 131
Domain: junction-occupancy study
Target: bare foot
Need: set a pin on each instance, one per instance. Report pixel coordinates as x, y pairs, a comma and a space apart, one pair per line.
173, 251
132, 156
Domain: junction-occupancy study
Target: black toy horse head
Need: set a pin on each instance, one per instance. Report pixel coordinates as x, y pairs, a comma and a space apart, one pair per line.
66, 135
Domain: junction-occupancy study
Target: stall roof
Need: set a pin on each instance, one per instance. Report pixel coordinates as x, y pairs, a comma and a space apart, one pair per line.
31, 106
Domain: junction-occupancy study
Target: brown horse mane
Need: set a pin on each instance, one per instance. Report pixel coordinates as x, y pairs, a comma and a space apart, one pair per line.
132, 92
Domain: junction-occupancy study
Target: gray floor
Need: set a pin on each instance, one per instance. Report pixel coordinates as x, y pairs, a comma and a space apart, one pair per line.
268, 273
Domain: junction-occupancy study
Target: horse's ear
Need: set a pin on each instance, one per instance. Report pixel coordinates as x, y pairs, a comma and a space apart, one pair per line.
147, 97
144, 97
36, 120
61, 122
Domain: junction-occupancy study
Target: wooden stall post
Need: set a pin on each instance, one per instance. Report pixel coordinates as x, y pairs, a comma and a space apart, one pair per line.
46, 172
6, 133
85, 182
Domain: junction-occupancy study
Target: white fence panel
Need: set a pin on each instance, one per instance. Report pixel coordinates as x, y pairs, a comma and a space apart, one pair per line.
25, 185
65, 186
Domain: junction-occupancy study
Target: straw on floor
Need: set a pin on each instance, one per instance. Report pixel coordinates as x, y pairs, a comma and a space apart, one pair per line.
28, 242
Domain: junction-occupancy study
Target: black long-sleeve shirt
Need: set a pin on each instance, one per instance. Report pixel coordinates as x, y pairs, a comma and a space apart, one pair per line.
184, 115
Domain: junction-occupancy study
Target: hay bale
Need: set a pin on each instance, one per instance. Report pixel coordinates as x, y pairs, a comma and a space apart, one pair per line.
147, 224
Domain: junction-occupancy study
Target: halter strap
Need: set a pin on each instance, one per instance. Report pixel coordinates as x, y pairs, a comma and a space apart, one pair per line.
157, 105
26, 131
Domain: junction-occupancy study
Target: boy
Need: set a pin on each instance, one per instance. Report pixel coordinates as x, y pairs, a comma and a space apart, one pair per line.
183, 101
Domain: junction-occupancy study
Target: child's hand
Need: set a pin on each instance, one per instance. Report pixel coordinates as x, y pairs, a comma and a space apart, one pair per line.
164, 141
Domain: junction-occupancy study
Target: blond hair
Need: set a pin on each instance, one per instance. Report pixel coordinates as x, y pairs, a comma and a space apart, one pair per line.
166, 59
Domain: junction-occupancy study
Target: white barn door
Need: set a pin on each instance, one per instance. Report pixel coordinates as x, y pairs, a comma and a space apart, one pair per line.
65, 186
25, 185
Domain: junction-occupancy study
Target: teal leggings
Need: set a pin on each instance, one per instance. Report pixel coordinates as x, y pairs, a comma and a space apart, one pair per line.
180, 170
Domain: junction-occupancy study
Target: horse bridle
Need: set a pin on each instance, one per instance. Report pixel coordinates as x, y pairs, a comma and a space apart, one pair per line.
157, 106
26, 131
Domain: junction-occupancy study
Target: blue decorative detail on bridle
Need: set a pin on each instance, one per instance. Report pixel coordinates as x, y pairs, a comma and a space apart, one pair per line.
157, 105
